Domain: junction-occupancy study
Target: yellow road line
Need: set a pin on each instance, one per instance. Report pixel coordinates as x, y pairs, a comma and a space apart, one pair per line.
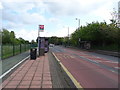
76, 83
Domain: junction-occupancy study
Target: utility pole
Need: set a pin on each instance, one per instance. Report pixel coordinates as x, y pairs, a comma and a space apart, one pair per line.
68, 32
68, 36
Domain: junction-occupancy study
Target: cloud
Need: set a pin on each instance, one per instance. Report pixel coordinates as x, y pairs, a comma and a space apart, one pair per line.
17, 14
63, 31
18, 0
73, 7
19, 11
52, 13
104, 14
27, 35
32, 34
1, 7
33, 18
12, 25
17, 6
53, 20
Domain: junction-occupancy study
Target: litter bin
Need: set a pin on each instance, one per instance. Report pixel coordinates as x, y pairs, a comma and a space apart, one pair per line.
33, 53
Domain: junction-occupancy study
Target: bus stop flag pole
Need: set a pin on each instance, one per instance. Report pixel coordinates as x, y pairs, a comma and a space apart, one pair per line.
38, 39
40, 29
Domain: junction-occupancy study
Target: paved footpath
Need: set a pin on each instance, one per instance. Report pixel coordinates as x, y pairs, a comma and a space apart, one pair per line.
31, 74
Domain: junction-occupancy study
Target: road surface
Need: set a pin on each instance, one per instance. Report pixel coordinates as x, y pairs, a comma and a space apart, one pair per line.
90, 69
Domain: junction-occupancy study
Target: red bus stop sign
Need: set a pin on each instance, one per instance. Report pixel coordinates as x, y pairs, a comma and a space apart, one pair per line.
41, 27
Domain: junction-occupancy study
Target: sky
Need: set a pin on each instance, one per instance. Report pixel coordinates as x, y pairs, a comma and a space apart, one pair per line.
24, 16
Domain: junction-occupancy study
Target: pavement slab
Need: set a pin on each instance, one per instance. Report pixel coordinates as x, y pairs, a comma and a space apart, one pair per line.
31, 74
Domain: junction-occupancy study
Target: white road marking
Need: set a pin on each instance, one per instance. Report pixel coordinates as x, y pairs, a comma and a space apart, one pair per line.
112, 71
13, 68
98, 57
106, 61
109, 61
90, 60
117, 67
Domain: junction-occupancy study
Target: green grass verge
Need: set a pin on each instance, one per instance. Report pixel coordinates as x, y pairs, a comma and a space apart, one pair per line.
10, 50
113, 47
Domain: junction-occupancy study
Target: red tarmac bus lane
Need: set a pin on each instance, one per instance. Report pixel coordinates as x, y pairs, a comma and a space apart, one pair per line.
97, 59
89, 75
103, 61
86, 63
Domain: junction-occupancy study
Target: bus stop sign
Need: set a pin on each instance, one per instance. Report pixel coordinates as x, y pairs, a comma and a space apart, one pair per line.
41, 27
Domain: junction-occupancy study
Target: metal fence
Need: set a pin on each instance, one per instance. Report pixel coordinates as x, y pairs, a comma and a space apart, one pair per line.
11, 50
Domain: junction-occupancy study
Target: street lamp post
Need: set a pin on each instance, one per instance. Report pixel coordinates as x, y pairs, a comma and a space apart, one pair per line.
78, 22
78, 28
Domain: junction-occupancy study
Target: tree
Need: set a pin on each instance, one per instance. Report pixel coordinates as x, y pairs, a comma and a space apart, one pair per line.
9, 38
27, 42
56, 40
12, 37
53, 39
114, 20
5, 37
32, 41
98, 33
21, 40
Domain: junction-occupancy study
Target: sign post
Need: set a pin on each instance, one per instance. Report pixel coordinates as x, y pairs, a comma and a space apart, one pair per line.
40, 29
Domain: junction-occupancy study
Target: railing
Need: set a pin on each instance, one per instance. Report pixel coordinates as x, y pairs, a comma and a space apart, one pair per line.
11, 50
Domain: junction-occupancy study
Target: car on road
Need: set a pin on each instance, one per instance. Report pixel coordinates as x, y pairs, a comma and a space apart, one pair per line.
51, 45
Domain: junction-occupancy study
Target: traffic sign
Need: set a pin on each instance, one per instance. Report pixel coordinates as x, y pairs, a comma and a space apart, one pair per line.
41, 27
